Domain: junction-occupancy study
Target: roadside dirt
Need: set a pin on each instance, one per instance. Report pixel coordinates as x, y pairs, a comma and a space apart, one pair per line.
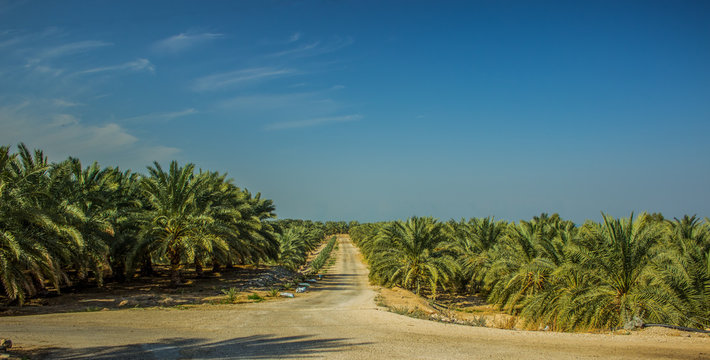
472, 311
156, 292
337, 319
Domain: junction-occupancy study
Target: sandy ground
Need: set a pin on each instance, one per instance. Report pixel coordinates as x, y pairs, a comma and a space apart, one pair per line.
338, 319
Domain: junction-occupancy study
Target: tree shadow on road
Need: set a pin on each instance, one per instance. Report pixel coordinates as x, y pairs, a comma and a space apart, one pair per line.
250, 347
336, 282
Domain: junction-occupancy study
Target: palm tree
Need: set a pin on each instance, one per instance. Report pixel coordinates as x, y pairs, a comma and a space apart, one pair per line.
364, 237
240, 222
409, 254
618, 255
684, 266
17, 253
521, 267
175, 227
293, 248
34, 240
257, 234
471, 243
553, 304
127, 204
87, 193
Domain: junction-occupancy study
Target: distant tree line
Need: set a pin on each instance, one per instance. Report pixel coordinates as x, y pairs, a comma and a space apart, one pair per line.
550, 271
65, 223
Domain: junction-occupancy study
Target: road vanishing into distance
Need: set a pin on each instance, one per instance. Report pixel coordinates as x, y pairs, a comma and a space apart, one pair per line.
338, 319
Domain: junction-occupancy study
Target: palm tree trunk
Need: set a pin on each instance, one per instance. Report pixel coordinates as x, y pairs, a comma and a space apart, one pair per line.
118, 271
199, 270
175, 278
216, 266
147, 267
40, 288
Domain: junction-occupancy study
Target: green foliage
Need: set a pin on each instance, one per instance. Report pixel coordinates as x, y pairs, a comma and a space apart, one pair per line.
323, 256
296, 240
551, 272
255, 297
338, 227
62, 223
231, 294
472, 243
411, 255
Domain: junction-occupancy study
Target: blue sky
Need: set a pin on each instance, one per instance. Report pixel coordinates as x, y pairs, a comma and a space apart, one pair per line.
373, 110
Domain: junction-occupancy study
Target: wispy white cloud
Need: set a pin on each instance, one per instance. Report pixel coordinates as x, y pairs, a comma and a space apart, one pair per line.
44, 69
184, 41
267, 101
313, 122
48, 126
298, 50
165, 116
64, 103
295, 37
71, 48
266, 107
137, 65
238, 77
298, 104
8, 6
9, 38
39, 58
13, 40
315, 48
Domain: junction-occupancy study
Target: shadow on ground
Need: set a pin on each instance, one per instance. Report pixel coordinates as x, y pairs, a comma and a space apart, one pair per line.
250, 347
152, 291
335, 282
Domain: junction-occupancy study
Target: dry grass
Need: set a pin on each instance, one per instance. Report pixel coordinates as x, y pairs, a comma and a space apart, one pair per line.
461, 309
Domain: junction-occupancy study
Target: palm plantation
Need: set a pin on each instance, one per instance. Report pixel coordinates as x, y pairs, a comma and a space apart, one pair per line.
64, 223
553, 273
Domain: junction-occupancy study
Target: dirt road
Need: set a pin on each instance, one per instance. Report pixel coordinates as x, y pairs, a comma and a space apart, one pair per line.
337, 320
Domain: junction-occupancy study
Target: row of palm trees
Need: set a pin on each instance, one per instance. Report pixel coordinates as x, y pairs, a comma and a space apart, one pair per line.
550, 271
63, 223
296, 241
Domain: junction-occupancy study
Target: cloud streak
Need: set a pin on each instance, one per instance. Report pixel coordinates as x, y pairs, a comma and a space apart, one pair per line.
295, 36
312, 122
64, 103
71, 48
184, 41
13, 40
239, 77
137, 65
299, 50
166, 116
314, 49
